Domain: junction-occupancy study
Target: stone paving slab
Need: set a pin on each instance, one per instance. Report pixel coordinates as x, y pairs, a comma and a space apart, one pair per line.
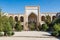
33, 34
25, 38
30, 35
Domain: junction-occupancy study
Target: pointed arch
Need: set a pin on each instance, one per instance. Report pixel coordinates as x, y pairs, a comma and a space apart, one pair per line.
32, 17
53, 17
16, 18
42, 18
22, 19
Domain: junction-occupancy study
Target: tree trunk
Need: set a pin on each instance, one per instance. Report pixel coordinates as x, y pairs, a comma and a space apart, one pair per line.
5, 33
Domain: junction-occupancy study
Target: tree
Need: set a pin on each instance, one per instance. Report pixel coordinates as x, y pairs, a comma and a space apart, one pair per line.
44, 27
32, 26
56, 27
18, 26
12, 22
56, 30
48, 22
6, 24
7, 28
56, 21
55, 33
1, 26
48, 19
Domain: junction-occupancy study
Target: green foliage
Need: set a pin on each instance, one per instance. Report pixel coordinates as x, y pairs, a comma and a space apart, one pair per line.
5, 25
48, 22
18, 26
55, 33
1, 34
56, 21
48, 19
44, 27
11, 21
1, 24
56, 27
59, 33
32, 27
56, 30
1, 27
10, 33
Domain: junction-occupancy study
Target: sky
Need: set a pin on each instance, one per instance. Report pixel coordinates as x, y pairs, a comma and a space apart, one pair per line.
18, 6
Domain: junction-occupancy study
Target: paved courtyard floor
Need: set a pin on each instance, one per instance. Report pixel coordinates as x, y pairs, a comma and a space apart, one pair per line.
30, 35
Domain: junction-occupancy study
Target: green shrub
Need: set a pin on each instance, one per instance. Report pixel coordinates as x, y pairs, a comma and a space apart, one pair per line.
59, 33
32, 26
56, 30
55, 33
44, 27
6, 24
56, 27
10, 33
18, 26
1, 34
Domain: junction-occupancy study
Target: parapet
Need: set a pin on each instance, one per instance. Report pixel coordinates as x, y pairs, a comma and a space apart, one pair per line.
31, 7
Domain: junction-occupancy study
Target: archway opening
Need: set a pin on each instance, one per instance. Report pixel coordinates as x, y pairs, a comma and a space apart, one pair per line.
16, 18
43, 18
32, 21
22, 19
53, 17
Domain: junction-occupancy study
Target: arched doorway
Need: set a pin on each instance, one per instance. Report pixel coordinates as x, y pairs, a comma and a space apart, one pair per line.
32, 20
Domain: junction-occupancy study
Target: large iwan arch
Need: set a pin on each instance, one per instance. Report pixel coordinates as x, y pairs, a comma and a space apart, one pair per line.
32, 18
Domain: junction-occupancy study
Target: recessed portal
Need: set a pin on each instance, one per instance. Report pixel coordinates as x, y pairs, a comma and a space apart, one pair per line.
32, 20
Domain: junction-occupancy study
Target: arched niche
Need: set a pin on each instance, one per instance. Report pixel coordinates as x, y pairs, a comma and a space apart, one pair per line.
42, 18
22, 19
16, 18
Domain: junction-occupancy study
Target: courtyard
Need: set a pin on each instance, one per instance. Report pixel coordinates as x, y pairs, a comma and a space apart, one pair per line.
38, 20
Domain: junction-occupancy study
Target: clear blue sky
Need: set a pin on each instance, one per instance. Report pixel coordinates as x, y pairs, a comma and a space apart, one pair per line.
18, 6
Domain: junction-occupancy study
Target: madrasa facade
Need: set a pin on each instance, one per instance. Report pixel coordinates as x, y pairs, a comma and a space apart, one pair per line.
32, 14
